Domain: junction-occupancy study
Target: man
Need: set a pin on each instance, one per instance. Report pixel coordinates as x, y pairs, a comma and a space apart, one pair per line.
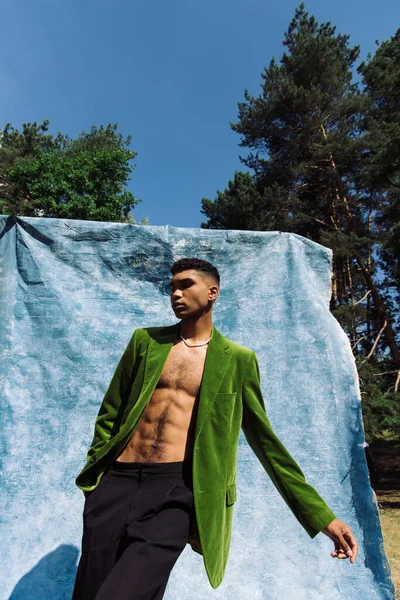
161, 470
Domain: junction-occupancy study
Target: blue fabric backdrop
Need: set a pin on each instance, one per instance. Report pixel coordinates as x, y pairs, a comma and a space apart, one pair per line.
71, 294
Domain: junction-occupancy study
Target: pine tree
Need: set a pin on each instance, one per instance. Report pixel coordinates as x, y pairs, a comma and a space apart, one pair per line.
305, 132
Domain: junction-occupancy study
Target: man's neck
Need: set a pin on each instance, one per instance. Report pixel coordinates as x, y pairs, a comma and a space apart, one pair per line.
196, 330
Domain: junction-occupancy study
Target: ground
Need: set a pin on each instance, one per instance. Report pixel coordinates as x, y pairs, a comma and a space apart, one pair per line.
386, 457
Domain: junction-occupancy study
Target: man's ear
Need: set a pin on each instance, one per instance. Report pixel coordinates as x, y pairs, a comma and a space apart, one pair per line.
213, 292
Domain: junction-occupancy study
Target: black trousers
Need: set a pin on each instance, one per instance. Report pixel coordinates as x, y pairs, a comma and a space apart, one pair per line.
135, 525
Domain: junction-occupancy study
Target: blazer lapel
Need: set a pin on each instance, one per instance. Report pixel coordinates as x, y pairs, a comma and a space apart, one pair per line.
157, 352
215, 366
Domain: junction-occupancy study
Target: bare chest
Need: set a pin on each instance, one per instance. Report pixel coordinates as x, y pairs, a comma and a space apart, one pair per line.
183, 369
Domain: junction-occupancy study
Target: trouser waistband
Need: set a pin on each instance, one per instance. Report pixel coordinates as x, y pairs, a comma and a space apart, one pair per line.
182, 466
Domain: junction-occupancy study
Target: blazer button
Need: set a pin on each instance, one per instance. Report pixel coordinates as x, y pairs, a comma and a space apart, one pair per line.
93, 459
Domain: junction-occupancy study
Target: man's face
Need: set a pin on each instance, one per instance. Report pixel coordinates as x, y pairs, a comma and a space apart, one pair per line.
191, 293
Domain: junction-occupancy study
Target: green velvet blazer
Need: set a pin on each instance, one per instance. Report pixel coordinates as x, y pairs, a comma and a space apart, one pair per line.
230, 399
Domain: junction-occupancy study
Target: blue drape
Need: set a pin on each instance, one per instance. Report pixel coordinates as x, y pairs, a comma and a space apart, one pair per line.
71, 294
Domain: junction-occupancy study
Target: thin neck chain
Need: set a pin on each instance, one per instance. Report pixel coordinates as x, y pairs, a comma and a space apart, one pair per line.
194, 345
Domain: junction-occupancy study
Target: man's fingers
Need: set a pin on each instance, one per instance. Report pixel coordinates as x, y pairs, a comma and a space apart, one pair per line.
342, 536
338, 552
344, 545
344, 548
353, 545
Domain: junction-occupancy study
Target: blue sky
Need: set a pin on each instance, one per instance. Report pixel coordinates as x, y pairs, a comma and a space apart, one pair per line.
169, 73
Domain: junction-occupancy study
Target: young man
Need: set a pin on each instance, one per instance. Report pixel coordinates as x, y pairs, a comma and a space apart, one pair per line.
161, 470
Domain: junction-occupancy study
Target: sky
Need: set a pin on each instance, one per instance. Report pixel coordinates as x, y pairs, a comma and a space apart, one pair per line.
169, 73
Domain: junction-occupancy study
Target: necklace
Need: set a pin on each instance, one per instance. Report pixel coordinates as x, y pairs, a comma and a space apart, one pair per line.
193, 345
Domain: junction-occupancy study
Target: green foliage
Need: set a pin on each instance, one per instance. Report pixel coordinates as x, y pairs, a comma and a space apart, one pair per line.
58, 177
381, 409
240, 203
381, 77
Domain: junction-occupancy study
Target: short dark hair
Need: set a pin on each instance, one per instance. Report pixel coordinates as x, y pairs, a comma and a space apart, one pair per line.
197, 264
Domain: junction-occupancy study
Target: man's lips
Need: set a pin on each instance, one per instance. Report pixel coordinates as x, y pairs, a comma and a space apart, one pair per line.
178, 305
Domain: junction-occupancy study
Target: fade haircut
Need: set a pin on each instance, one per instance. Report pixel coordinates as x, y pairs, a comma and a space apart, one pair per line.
197, 264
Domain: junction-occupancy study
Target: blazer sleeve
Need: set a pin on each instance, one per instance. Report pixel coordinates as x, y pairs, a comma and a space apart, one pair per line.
303, 500
116, 396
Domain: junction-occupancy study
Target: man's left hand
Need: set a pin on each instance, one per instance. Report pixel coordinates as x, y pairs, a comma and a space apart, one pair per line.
345, 543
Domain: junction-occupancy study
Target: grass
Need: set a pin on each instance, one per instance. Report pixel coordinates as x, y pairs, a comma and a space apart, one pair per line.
390, 521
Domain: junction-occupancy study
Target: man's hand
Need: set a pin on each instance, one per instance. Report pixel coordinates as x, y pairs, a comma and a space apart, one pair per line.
343, 538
